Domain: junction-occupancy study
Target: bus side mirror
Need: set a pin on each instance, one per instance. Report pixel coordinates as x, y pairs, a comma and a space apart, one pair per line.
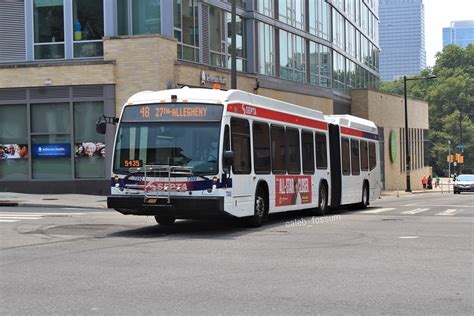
228, 158
101, 127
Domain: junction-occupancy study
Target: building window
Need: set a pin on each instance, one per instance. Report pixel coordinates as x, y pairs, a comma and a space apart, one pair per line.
339, 72
350, 39
51, 141
186, 29
89, 146
265, 49
138, 17
221, 40
319, 18
292, 12
319, 73
292, 57
338, 30
88, 28
350, 74
48, 29
14, 153
265, 7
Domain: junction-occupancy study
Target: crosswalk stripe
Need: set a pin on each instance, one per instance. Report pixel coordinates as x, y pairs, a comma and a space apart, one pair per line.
415, 211
379, 210
449, 212
18, 217
8, 220
38, 214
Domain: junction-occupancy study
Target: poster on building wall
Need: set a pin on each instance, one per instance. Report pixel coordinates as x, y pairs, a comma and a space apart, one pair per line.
292, 190
14, 151
51, 150
89, 150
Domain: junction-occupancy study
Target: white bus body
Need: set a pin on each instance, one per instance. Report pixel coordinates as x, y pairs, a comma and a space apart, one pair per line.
170, 146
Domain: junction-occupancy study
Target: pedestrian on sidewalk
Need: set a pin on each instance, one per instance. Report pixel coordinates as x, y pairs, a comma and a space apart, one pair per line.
430, 183
437, 181
423, 181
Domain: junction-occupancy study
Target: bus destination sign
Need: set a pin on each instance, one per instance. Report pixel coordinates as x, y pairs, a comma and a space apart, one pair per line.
172, 112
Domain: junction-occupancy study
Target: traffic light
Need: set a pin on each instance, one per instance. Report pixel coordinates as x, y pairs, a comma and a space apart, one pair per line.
458, 158
450, 158
461, 159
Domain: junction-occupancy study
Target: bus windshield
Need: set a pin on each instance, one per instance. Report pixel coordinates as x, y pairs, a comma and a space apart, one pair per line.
190, 144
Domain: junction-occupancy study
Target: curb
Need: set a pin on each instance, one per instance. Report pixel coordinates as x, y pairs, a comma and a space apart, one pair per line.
26, 204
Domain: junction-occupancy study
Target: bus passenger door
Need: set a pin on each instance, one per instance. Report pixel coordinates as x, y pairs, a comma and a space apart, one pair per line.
242, 187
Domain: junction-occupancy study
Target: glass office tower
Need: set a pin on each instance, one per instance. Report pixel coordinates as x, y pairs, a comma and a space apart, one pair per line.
402, 38
459, 33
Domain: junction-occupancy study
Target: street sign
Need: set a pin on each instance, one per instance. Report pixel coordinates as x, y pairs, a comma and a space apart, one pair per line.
460, 146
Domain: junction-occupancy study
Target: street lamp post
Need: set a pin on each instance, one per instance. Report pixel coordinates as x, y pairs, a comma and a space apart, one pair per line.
407, 143
233, 63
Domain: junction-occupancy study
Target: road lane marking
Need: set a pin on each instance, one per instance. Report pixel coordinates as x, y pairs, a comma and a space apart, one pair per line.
415, 211
439, 205
449, 212
379, 210
8, 220
408, 237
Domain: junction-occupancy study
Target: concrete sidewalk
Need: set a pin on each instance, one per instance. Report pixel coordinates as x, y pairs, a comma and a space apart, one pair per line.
53, 200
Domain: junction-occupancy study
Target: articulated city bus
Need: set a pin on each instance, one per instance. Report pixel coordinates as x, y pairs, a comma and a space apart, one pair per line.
196, 153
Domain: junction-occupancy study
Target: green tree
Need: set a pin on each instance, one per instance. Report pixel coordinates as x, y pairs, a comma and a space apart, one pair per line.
451, 104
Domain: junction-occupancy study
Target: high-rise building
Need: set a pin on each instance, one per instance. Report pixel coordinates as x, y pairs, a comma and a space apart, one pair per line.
459, 33
63, 62
402, 38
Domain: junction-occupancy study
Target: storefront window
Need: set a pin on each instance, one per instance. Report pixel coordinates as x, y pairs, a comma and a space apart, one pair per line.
88, 28
48, 29
14, 153
186, 29
50, 141
89, 146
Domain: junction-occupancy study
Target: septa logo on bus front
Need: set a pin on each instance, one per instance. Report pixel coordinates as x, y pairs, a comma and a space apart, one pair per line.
169, 186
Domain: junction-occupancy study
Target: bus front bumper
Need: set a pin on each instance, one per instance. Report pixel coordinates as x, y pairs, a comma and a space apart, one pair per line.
181, 207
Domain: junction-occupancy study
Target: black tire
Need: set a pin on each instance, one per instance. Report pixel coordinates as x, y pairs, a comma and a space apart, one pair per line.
322, 208
260, 213
365, 196
165, 220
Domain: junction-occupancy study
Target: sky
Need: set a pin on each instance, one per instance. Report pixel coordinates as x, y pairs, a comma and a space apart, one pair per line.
439, 14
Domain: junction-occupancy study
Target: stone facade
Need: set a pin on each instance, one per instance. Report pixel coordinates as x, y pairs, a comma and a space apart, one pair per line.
388, 112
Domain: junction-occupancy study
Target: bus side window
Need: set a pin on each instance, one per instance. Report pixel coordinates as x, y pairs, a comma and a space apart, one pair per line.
240, 130
278, 150
307, 144
321, 151
364, 156
261, 148
372, 157
293, 151
355, 158
346, 161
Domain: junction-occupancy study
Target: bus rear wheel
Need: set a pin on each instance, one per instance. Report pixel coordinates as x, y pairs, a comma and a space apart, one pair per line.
165, 220
365, 196
322, 208
260, 210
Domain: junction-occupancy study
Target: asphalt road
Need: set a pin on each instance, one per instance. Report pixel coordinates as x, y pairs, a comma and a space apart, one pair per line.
381, 260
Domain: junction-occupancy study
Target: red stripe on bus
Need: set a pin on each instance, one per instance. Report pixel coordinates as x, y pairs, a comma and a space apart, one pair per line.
355, 132
275, 115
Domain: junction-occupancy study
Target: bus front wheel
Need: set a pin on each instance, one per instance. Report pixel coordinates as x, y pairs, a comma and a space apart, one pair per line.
165, 220
260, 210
